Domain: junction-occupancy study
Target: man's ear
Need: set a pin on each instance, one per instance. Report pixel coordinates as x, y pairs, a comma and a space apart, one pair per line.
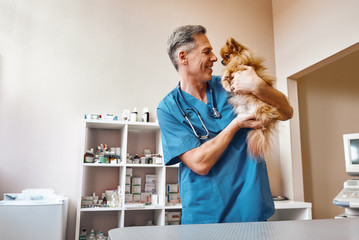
182, 57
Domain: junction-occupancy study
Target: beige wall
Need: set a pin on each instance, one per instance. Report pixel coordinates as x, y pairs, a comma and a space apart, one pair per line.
328, 103
306, 32
61, 59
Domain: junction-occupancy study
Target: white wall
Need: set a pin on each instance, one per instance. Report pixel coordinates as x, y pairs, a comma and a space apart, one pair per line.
61, 59
306, 32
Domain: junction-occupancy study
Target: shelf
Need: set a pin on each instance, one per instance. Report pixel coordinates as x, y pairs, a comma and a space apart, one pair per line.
176, 206
141, 126
110, 124
104, 124
100, 209
103, 165
128, 208
145, 165
148, 207
288, 204
122, 165
173, 166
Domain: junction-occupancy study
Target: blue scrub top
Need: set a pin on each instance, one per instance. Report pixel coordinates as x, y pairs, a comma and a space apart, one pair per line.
236, 189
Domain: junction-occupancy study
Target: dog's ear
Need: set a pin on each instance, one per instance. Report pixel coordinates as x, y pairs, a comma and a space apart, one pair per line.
233, 44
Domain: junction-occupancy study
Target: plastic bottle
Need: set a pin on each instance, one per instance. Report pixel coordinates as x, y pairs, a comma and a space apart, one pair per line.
89, 156
145, 115
136, 159
101, 236
134, 114
104, 200
92, 235
112, 157
83, 235
119, 196
114, 199
107, 156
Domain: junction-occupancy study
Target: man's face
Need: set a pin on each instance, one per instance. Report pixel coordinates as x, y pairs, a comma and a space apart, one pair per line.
201, 59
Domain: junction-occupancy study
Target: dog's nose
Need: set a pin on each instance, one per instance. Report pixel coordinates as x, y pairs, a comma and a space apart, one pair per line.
223, 63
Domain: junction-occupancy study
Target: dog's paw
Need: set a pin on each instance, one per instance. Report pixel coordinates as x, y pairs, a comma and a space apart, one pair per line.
226, 84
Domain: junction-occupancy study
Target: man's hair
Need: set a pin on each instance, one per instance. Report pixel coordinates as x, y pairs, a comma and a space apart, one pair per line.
182, 38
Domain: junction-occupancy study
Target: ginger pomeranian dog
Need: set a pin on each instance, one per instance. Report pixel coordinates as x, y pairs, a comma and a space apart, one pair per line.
235, 56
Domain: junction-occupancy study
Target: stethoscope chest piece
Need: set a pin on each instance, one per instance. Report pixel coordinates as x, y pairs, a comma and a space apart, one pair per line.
216, 114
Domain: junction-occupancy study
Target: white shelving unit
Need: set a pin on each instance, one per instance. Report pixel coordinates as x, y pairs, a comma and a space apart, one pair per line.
133, 138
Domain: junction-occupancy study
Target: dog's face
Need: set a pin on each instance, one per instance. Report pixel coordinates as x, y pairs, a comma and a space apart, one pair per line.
230, 49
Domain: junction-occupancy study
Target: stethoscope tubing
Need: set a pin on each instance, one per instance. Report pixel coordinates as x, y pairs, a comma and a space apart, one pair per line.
216, 114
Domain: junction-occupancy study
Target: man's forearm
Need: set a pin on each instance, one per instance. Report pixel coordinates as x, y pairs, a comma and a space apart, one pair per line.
201, 159
275, 98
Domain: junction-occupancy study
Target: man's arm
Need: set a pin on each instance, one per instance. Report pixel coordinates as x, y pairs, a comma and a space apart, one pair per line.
201, 159
247, 81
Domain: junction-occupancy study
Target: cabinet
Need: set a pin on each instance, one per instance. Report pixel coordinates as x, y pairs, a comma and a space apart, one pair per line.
133, 138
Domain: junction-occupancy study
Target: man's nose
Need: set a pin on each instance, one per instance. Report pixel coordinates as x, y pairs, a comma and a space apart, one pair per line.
214, 58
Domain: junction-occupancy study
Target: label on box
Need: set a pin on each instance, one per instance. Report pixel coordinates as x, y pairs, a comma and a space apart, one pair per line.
172, 197
127, 189
136, 181
173, 216
172, 188
158, 160
128, 198
150, 178
150, 187
129, 172
136, 189
128, 180
136, 197
146, 197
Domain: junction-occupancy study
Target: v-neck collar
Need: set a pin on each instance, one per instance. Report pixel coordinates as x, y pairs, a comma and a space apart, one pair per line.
198, 104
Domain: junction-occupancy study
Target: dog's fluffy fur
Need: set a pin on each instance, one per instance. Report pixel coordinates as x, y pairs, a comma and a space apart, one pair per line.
235, 56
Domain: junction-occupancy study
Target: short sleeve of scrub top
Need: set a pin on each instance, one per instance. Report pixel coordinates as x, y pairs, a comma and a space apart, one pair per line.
175, 139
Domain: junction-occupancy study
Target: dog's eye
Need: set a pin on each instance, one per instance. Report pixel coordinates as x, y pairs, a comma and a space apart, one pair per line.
227, 55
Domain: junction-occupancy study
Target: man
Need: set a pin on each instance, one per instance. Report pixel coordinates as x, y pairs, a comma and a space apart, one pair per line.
218, 180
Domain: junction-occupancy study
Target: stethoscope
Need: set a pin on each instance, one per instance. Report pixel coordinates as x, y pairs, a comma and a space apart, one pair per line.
215, 112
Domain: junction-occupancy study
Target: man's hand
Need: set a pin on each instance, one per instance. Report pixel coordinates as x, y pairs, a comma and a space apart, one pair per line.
248, 121
246, 81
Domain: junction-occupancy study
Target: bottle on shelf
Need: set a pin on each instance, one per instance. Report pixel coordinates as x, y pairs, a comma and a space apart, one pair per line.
104, 199
101, 236
83, 235
136, 159
145, 115
92, 235
89, 156
134, 114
